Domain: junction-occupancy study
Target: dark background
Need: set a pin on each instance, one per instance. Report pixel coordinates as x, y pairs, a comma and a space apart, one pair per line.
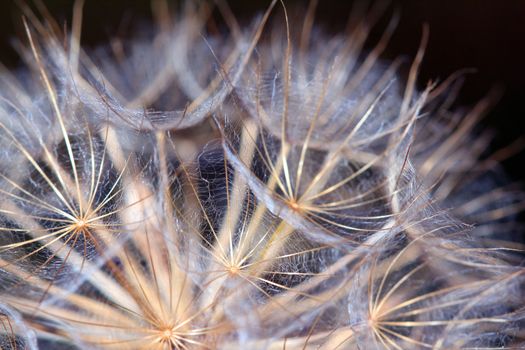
488, 35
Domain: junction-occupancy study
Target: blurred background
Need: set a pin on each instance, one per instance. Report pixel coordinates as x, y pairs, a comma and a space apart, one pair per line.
487, 35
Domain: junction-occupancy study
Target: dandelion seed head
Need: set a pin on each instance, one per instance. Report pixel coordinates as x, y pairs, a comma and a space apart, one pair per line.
201, 189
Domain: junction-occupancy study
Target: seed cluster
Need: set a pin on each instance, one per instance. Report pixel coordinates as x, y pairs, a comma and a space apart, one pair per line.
269, 188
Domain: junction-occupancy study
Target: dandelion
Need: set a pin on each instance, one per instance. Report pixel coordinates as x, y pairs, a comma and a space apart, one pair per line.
191, 190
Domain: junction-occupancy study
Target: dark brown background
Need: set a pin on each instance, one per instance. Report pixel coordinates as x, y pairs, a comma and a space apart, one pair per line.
488, 35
